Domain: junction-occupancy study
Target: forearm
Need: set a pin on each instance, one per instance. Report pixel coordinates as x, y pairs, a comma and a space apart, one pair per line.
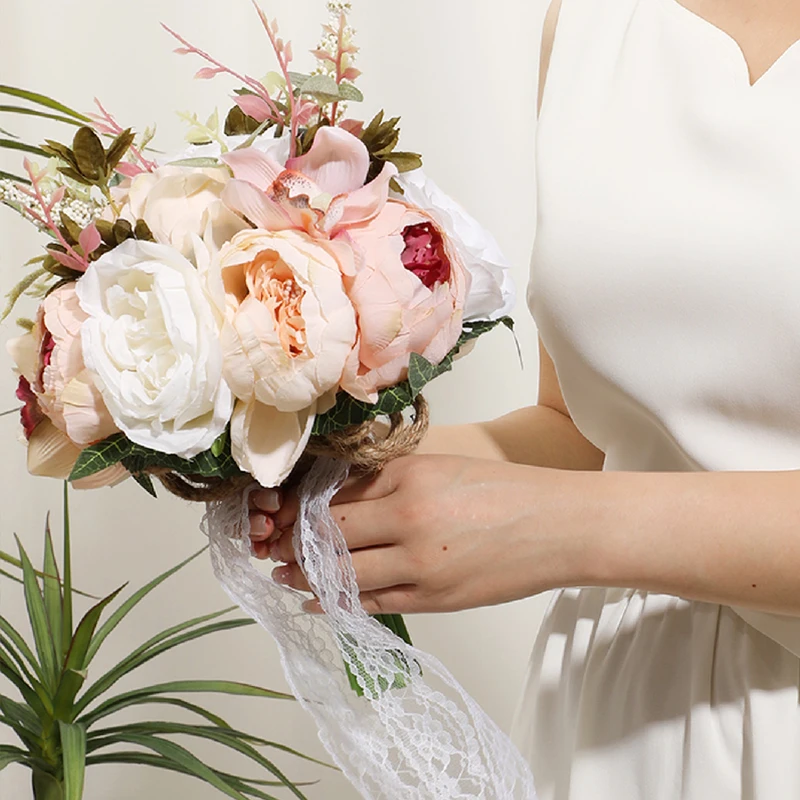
724, 537
537, 436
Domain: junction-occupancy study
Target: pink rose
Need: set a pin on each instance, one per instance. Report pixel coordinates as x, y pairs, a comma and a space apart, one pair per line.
409, 291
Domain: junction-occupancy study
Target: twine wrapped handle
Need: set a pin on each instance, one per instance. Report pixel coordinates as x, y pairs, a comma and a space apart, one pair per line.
362, 447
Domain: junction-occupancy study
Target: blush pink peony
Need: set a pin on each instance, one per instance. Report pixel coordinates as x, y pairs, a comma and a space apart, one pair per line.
409, 290
63, 411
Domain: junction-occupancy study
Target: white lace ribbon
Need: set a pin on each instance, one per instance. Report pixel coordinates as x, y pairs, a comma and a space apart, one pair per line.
415, 733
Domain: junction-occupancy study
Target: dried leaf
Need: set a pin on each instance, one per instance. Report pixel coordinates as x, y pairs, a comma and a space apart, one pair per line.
119, 147
90, 154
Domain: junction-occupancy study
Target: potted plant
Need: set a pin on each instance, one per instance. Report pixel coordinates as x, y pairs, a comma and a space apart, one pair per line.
63, 715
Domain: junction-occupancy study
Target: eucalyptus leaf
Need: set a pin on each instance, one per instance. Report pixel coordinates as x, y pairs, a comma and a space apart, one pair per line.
351, 93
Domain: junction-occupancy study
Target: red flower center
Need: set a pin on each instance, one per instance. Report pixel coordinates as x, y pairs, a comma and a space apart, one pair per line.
425, 255
30, 414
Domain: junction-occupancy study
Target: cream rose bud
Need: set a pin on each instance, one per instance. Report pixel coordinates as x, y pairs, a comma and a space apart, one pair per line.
290, 326
151, 343
178, 203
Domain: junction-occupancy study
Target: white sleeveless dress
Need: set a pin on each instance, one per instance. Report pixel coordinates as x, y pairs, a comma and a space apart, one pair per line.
666, 287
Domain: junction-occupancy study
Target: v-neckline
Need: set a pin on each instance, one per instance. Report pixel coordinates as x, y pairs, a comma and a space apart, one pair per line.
701, 21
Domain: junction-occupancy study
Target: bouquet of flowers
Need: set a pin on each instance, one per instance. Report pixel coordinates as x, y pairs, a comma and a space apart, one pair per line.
243, 314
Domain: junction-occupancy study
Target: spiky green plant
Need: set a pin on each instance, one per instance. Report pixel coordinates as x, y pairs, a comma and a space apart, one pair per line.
65, 722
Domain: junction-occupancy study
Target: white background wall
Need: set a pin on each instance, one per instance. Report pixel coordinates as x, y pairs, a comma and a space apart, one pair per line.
462, 73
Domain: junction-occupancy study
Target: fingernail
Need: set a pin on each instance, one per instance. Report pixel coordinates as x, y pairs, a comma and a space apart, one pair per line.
258, 525
268, 500
281, 575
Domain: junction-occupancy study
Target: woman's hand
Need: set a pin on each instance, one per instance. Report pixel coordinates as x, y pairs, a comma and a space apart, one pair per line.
440, 533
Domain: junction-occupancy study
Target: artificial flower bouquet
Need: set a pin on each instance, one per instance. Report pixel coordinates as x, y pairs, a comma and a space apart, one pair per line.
205, 318
244, 313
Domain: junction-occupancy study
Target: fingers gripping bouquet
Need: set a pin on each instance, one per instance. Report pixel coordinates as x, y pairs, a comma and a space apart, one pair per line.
217, 320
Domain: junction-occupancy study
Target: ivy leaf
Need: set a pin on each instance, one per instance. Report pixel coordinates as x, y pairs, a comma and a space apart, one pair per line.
102, 455
146, 482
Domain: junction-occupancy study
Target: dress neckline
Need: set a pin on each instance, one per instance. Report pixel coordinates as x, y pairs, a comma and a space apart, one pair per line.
693, 18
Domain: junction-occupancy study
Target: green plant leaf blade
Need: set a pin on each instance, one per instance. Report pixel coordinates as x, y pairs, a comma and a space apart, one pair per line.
53, 600
231, 688
183, 758
66, 615
165, 641
73, 746
38, 620
12, 755
100, 456
42, 100
14, 144
105, 630
35, 112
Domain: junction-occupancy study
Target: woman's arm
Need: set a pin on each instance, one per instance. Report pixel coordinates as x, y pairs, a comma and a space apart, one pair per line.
543, 435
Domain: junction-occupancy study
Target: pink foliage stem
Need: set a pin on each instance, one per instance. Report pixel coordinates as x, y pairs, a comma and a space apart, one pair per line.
106, 123
256, 86
284, 56
46, 218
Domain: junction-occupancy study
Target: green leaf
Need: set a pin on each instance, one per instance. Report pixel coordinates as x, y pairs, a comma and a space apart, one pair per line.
73, 747
231, 739
137, 459
182, 757
180, 687
322, 87
90, 154
21, 714
195, 162
13, 144
13, 635
10, 176
52, 591
155, 647
70, 684
77, 658
16, 293
34, 112
111, 623
351, 93
38, 620
66, 617
146, 482
100, 456
158, 762
43, 100
218, 448
405, 162
12, 755
39, 703
119, 147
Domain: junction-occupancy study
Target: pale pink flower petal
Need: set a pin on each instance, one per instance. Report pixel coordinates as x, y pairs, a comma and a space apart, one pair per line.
255, 206
266, 442
50, 452
367, 202
129, 170
253, 166
100, 480
337, 162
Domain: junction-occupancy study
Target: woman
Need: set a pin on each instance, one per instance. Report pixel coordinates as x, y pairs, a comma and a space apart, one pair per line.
663, 453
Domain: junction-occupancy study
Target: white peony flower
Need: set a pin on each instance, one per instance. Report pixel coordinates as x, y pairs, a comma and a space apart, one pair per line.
152, 345
492, 294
